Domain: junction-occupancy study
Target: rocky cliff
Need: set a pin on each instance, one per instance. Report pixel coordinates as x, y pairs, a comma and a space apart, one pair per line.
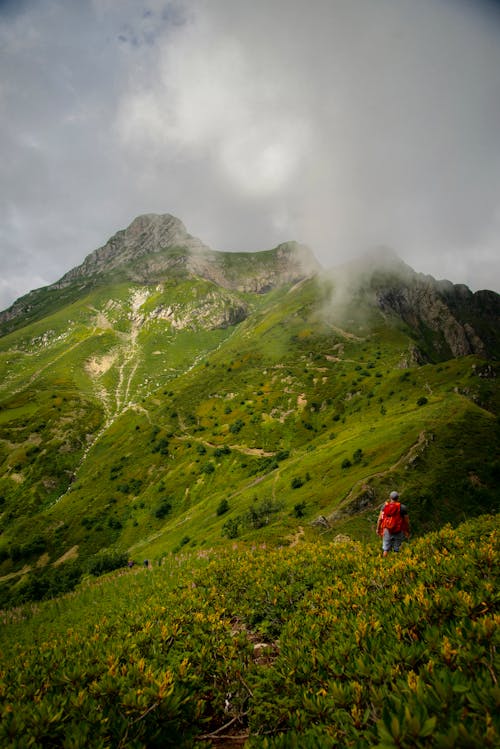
147, 234
449, 320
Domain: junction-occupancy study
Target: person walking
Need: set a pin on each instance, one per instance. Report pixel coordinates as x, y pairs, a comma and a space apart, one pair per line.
393, 524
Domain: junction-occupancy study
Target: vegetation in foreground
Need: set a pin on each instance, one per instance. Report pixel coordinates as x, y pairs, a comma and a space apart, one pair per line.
314, 645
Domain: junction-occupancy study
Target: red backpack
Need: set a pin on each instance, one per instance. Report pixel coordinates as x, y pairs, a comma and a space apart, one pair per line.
392, 517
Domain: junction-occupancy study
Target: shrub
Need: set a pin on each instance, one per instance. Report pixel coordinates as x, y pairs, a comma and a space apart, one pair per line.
106, 561
219, 451
130, 487
163, 509
259, 514
236, 426
282, 455
223, 507
299, 509
231, 528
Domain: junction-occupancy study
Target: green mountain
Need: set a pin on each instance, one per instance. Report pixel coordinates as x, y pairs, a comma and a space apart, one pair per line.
165, 396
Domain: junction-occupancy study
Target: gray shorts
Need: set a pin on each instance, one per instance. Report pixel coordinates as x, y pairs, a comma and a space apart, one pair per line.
392, 541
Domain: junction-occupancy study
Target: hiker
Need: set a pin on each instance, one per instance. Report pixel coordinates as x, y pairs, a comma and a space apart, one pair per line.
393, 524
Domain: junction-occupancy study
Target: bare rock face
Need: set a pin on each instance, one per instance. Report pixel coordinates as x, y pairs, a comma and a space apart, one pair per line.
147, 234
452, 319
420, 306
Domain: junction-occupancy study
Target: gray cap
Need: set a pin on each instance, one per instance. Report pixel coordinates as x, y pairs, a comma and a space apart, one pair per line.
393, 495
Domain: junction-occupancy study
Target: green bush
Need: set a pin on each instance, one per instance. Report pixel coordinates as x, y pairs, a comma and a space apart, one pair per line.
231, 528
299, 509
106, 561
236, 426
222, 507
163, 509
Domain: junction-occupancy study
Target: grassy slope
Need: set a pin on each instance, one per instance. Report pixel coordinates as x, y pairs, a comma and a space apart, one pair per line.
263, 415
318, 645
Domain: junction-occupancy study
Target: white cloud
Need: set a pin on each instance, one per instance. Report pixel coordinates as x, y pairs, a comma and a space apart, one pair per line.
204, 97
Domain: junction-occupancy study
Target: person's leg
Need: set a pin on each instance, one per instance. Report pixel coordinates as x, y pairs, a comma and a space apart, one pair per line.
397, 540
386, 543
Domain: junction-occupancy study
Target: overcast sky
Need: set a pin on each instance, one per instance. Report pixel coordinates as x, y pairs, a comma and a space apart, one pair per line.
343, 124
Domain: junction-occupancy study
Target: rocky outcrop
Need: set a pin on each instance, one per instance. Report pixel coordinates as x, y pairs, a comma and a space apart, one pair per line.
257, 272
216, 310
448, 320
422, 306
147, 234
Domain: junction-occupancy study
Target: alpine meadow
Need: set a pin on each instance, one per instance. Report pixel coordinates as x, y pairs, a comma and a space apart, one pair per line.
194, 449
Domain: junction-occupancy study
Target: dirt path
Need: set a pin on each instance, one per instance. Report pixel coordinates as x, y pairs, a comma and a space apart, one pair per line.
295, 538
344, 333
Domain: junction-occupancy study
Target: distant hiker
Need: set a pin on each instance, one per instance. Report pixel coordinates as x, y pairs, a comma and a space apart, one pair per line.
393, 524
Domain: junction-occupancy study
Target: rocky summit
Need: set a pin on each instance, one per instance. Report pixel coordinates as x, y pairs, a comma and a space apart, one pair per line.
147, 234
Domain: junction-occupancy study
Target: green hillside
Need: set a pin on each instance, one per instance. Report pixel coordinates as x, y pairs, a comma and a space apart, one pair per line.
314, 645
141, 419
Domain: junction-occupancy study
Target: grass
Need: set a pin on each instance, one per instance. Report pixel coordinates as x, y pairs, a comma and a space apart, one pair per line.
107, 410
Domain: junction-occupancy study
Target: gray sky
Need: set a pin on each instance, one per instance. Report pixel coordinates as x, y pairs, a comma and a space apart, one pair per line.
343, 124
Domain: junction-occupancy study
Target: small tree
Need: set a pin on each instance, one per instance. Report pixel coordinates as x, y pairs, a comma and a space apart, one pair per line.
299, 509
223, 507
163, 509
231, 528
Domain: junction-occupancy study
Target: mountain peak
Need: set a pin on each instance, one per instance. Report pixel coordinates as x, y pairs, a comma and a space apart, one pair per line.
148, 233
374, 261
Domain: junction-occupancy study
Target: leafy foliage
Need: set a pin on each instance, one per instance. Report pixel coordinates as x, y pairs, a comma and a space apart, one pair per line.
315, 645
